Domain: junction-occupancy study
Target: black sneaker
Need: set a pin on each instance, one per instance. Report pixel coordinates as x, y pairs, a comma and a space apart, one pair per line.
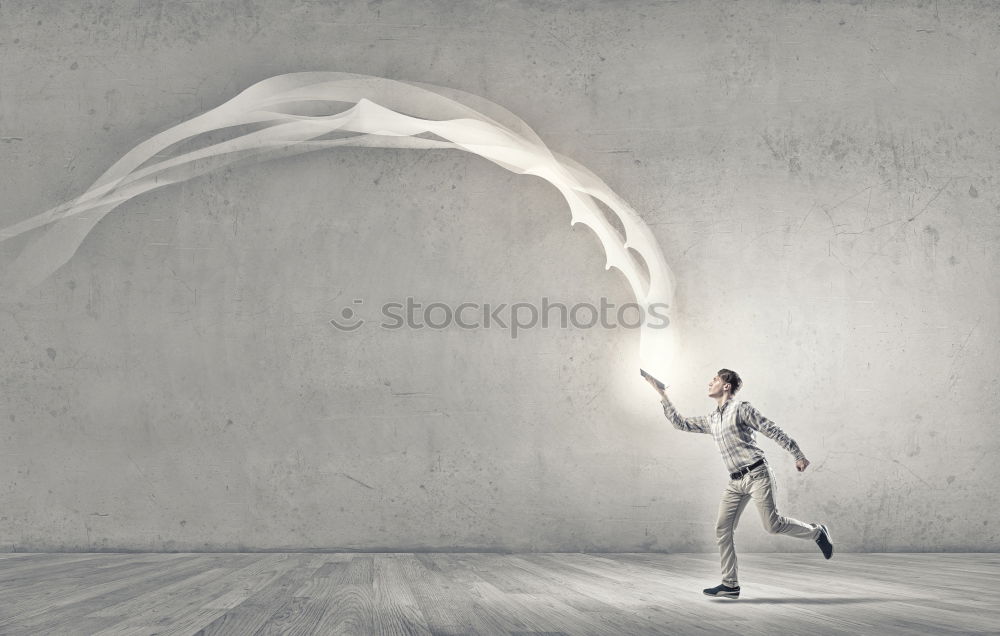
723, 591
825, 541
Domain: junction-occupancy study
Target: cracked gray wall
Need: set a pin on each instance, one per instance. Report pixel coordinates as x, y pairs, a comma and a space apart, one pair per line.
821, 177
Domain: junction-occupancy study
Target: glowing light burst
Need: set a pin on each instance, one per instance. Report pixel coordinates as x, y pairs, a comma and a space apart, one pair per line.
303, 112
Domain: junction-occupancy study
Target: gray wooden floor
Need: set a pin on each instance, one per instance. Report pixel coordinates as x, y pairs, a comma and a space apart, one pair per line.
495, 594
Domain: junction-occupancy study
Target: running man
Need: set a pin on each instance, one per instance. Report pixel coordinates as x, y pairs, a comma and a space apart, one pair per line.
732, 424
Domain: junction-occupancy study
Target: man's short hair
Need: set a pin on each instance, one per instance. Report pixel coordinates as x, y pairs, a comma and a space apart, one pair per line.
731, 378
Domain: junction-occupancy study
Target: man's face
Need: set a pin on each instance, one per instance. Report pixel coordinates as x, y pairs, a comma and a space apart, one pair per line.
716, 387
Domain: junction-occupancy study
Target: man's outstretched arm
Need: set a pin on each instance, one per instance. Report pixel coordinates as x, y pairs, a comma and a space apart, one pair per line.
752, 418
681, 423
698, 424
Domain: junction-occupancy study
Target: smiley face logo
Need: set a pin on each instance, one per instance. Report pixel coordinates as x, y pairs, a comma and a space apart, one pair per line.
351, 319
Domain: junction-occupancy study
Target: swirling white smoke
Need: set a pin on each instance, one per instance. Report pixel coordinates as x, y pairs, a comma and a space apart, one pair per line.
303, 112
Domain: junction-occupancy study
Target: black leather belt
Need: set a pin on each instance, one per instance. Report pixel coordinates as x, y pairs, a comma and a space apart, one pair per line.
746, 469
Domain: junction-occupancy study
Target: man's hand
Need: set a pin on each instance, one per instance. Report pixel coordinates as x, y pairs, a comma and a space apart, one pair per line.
652, 383
801, 464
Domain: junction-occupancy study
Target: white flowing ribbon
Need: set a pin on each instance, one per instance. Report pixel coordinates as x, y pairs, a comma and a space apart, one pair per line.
273, 119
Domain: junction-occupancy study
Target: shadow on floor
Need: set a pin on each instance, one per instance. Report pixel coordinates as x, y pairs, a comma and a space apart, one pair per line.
834, 600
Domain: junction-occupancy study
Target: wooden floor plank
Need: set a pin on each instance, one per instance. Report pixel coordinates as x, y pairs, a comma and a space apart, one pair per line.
45, 584
396, 610
89, 598
603, 600
350, 606
444, 605
253, 613
255, 577
13, 574
513, 590
138, 603
469, 594
10, 556
668, 599
302, 612
72, 591
181, 609
244, 582
486, 617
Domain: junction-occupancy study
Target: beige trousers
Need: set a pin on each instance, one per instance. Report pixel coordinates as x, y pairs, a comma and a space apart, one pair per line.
758, 485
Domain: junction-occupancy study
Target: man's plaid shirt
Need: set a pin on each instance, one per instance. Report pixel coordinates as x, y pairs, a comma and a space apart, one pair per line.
733, 425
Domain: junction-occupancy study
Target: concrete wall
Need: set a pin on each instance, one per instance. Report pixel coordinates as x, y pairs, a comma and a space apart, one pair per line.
821, 177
